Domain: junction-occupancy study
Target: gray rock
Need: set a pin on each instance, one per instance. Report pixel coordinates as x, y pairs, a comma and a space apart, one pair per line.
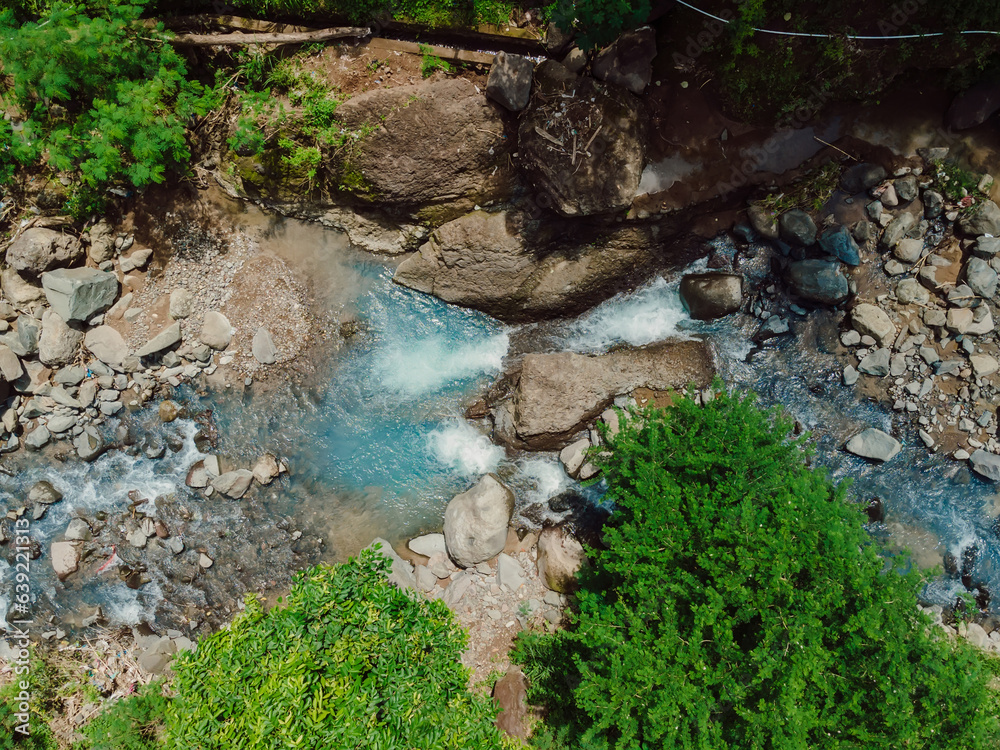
61, 423
870, 320
44, 492
986, 464
38, 250
876, 363
10, 365
908, 250
78, 530
889, 199
428, 545
265, 469
216, 330
850, 375
59, 342
156, 657
168, 337
797, 227
981, 278
575, 60
476, 521
89, 444
264, 350
983, 365
560, 557
711, 295
907, 188
629, 61
181, 303
20, 292
763, 222
105, 343
837, 241
509, 83
986, 247
873, 444
984, 219
37, 438
933, 204
24, 341
912, 291
70, 376
510, 574
861, 177
574, 455
65, 557
425, 580
77, 294
138, 259
102, 243
898, 228
818, 280
233, 484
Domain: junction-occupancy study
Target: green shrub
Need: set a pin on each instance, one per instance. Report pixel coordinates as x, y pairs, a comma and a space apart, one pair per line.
134, 723
349, 661
430, 62
741, 604
103, 96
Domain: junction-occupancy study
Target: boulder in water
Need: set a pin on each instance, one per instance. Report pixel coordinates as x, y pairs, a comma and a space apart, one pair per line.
89, 444
986, 464
65, 557
873, 444
266, 469
44, 492
476, 521
711, 295
558, 394
560, 557
233, 484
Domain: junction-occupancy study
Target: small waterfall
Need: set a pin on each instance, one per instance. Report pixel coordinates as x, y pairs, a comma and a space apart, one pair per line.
461, 447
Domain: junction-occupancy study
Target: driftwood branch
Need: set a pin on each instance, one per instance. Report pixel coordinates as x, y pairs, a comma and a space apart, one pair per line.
305, 37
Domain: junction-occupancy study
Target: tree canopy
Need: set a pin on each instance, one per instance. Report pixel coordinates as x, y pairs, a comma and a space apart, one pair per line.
740, 603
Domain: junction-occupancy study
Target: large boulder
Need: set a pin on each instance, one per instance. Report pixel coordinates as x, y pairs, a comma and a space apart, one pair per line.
873, 444
629, 61
216, 330
59, 342
38, 250
79, 293
711, 295
986, 464
18, 291
898, 228
820, 281
973, 107
981, 277
984, 219
105, 343
581, 144
870, 320
233, 484
509, 84
511, 695
10, 365
495, 263
476, 521
558, 394
560, 557
435, 141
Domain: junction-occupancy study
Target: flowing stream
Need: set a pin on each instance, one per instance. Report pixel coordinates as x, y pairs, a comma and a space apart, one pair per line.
377, 445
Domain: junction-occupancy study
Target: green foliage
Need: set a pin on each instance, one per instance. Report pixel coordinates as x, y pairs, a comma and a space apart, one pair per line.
42, 695
741, 604
430, 63
599, 22
349, 661
102, 96
133, 723
810, 193
953, 181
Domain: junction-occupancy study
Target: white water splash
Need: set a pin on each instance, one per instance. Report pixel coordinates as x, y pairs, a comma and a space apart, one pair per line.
417, 368
652, 313
542, 478
462, 448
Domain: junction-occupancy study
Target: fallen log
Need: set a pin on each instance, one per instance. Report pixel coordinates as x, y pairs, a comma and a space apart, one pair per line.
303, 37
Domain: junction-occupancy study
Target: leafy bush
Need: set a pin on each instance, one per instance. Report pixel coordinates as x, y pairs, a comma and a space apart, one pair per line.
430, 62
102, 96
741, 604
349, 661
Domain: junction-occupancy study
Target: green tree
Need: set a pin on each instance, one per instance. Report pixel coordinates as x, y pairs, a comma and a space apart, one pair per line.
101, 96
348, 661
740, 603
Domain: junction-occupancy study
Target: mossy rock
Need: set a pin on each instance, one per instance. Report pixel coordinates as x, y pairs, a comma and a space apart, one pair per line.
267, 176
